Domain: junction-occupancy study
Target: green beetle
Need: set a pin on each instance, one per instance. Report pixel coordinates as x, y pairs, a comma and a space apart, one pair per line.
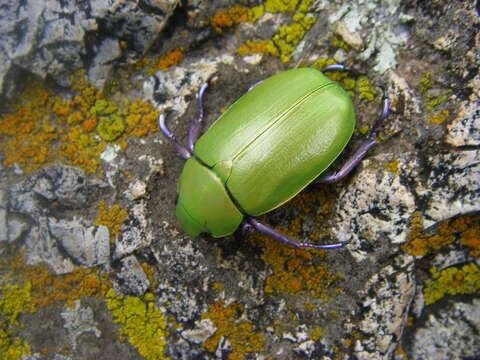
269, 145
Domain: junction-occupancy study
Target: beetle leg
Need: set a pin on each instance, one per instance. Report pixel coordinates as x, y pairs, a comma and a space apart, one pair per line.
254, 85
336, 67
287, 240
195, 128
361, 151
182, 150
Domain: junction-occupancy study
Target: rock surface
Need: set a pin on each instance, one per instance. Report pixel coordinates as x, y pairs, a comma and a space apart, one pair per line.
96, 257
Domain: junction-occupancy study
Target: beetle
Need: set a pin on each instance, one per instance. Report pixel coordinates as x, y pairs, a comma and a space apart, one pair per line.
277, 138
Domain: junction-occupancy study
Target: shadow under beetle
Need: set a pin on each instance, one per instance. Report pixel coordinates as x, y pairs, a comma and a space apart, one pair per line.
270, 144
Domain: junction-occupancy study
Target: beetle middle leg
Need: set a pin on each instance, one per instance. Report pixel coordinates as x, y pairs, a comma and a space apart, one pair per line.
367, 144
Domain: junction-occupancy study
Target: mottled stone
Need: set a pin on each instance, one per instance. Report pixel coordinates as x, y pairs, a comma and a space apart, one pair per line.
135, 234
385, 313
452, 186
453, 332
464, 130
375, 206
54, 38
131, 279
374, 26
89, 246
78, 321
203, 330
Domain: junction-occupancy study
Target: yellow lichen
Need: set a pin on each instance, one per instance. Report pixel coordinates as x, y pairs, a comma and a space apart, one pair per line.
452, 281
392, 167
240, 333
316, 333
142, 323
439, 117
287, 38
465, 228
163, 63
14, 300
112, 218
274, 6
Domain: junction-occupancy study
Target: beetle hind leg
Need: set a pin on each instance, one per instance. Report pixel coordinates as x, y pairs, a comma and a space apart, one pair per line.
361, 151
287, 240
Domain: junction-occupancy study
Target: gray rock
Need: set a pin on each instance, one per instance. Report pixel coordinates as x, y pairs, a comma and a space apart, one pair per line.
203, 330
49, 38
131, 279
135, 232
451, 333
385, 313
3, 216
108, 51
78, 321
88, 246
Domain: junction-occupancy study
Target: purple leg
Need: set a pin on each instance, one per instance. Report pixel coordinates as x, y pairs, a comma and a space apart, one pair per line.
182, 150
285, 239
361, 151
336, 67
195, 128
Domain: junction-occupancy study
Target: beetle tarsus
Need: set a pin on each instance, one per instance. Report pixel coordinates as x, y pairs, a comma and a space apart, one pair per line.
182, 150
336, 67
287, 240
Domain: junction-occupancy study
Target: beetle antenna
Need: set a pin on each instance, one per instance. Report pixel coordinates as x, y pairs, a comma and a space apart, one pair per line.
182, 150
287, 240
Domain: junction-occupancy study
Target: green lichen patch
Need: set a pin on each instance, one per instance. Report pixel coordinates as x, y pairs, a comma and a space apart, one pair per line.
452, 281
14, 300
356, 87
141, 323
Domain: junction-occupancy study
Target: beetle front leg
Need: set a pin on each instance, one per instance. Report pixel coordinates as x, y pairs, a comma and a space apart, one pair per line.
287, 240
195, 128
361, 151
182, 150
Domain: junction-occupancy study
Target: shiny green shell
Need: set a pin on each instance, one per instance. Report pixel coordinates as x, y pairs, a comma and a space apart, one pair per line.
269, 145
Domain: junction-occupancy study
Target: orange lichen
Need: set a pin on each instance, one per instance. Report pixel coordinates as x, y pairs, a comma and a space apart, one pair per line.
253, 47
40, 128
47, 288
297, 271
235, 15
240, 333
112, 218
165, 61
465, 228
